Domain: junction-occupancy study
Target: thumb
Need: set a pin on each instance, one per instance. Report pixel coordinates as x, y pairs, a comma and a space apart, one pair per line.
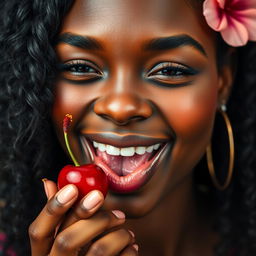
50, 188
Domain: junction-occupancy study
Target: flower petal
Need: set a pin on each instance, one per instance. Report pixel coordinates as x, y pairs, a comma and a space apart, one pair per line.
248, 3
238, 4
236, 33
244, 4
221, 3
223, 23
248, 18
214, 15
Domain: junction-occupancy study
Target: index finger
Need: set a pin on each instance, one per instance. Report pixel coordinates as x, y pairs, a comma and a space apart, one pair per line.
42, 230
85, 209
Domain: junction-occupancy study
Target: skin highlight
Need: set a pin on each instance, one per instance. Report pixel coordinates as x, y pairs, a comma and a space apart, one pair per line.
175, 212
124, 98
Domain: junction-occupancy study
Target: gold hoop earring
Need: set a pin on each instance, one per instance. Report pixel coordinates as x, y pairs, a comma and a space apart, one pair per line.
231, 154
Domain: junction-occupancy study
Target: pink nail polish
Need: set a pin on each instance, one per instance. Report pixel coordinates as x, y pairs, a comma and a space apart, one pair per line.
119, 214
66, 194
92, 200
133, 235
136, 247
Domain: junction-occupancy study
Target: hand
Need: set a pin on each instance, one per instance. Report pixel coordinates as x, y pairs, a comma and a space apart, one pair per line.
68, 229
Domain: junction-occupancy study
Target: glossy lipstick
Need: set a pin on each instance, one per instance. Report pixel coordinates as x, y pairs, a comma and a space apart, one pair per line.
138, 177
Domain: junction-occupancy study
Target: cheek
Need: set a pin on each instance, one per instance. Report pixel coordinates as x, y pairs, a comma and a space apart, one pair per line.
74, 100
190, 112
193, 116
69, 99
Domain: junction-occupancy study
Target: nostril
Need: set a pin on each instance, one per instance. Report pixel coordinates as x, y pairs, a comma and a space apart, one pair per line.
121, 121
123, 109
137, 118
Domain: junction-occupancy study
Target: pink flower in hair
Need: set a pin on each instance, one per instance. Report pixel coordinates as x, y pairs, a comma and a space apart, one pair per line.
234, 19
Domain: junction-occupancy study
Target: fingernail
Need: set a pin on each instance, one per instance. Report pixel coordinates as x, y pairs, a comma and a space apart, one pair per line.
131, 233
66, 194
92, 199
136, 247
45, 187
119, 214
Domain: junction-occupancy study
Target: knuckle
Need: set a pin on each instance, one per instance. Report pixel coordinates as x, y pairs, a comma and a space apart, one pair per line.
105, 217
62, 243
34, 233
98, 249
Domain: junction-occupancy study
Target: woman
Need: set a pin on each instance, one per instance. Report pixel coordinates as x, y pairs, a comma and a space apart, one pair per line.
144, 80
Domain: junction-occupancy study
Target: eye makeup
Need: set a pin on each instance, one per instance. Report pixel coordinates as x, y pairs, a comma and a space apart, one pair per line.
80, 71
170, 74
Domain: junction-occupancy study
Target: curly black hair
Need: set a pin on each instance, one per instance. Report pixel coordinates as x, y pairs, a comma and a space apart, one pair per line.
30, 151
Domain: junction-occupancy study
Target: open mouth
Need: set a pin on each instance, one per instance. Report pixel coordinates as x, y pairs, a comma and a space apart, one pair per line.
127, 168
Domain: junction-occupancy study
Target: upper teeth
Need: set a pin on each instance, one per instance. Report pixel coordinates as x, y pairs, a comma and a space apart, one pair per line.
129, 151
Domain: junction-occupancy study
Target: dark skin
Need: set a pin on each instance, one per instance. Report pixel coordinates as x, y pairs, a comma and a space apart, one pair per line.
123, 86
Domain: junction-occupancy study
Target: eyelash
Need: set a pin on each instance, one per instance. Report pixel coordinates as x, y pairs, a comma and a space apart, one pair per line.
163, 73
78, 68
174, 69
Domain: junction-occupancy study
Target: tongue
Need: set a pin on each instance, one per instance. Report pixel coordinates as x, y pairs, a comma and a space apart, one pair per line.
123, 165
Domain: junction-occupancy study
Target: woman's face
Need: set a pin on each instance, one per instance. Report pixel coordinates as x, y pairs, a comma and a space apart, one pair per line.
140, 79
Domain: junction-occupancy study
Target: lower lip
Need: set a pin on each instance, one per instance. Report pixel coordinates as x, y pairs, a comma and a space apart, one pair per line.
134, 180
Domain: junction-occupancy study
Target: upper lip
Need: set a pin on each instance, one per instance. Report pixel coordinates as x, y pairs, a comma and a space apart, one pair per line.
120, 140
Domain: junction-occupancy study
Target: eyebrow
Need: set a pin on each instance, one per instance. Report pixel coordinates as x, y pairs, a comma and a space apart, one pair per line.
84, 42
156, 44
172, 42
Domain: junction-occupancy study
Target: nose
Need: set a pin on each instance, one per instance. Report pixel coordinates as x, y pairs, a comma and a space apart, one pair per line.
123, 108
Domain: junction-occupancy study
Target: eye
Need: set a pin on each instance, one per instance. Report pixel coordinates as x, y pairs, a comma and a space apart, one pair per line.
172, 73
80, 70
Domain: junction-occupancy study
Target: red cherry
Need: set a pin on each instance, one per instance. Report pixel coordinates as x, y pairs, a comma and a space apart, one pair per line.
86, 178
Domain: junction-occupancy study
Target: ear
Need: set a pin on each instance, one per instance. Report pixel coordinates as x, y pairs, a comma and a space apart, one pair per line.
227, 73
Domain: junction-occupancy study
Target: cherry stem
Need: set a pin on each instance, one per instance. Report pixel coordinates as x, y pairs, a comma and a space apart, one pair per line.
69, 150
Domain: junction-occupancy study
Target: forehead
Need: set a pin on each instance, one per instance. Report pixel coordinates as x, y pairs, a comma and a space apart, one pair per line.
135, 19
